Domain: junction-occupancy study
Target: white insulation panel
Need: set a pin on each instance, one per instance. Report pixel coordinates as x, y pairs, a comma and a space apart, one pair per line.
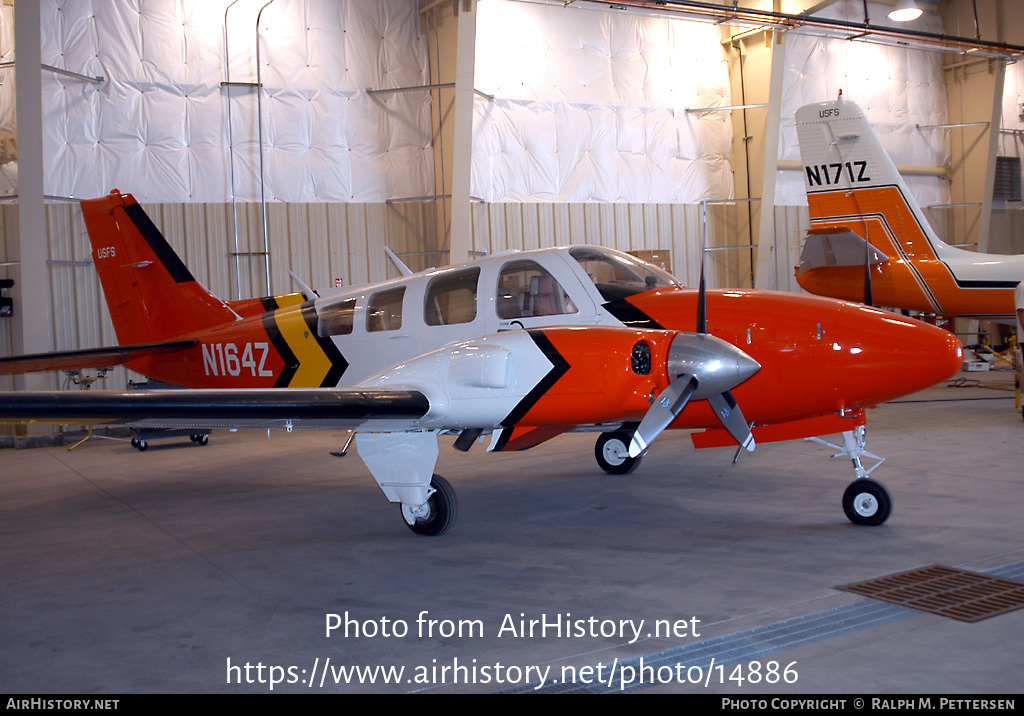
897, 87
589, 105
158, 124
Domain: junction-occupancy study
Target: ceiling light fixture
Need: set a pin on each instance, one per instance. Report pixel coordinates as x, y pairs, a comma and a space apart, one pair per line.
905, 11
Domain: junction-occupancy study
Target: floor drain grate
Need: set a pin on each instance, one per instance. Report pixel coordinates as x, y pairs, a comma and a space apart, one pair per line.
955, 593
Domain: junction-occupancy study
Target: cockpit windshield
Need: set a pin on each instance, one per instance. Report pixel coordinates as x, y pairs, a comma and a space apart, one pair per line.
618, 275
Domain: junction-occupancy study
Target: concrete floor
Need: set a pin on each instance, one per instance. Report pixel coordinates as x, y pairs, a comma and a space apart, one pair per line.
128, 572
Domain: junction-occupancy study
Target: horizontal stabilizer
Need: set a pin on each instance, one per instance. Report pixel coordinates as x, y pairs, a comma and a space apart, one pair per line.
89, 357
836, 247
272, 407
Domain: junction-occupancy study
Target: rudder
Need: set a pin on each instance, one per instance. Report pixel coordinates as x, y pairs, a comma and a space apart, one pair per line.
850, 178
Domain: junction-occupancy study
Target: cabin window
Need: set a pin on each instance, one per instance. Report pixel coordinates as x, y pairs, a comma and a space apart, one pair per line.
452, 298
525, 289
384, 312
336, 319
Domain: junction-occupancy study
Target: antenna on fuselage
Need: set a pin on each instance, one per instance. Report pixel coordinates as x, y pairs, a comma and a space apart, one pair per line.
402, 268
302, 284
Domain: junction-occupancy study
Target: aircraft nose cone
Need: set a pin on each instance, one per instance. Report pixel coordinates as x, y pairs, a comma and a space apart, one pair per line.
885, 355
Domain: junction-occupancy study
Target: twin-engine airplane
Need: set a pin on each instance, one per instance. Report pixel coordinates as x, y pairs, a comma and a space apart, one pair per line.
521, 345
869, 240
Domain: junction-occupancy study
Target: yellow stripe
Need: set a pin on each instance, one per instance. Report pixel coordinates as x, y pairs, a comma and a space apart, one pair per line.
313, 362
289, 299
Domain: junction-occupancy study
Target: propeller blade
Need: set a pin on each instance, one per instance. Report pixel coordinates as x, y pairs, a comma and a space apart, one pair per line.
664, 410
702, 301
868, 298
732, 419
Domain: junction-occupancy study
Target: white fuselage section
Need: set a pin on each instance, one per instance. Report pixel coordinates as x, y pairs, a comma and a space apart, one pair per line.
386, 323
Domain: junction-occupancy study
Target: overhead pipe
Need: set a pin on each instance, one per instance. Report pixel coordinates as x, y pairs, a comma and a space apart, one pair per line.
784, 21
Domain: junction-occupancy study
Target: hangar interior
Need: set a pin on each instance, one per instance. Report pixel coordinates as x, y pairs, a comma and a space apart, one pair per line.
306, 136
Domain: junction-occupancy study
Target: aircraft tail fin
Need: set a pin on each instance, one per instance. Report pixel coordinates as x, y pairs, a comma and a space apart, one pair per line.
852, 183
151, 294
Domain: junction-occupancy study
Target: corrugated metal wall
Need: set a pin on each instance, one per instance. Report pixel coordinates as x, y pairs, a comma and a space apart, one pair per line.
676, 228
321, 243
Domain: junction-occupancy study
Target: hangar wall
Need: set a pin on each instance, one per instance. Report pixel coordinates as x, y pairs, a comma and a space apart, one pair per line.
158, 125
307, 236
1007, 230
590, 104
897, 87
321, 242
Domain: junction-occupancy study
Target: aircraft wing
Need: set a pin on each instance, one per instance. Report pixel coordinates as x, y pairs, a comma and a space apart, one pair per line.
259, 408
89, 357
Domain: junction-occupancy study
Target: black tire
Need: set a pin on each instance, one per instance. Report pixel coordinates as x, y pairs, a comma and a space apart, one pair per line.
140, 445
867, 502
444, 508
612, 453
202, 439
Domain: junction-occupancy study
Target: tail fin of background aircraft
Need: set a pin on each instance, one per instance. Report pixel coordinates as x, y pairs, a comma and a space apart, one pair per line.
151, 294
851, 180
853, 187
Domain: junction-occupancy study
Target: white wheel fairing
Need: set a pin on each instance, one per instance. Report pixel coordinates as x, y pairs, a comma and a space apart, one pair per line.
615, 452
414, 513
865, 504
612, 453
438, 514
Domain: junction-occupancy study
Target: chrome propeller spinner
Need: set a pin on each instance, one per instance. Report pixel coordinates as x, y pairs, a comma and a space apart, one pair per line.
699, 366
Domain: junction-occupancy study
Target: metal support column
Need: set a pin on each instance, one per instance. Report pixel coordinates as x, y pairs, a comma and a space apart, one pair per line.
462, 217
32, 290
993, 149
765, 273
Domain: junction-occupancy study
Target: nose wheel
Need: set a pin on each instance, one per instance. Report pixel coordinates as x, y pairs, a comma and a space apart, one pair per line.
867, 502
612, 453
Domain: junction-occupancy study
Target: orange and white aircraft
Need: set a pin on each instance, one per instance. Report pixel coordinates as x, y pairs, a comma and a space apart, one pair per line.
869, 238
522, 346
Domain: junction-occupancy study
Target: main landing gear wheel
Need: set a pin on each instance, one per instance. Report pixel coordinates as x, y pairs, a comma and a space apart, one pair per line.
438, 513
612, 453
139, 444
867, 502
200, 438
